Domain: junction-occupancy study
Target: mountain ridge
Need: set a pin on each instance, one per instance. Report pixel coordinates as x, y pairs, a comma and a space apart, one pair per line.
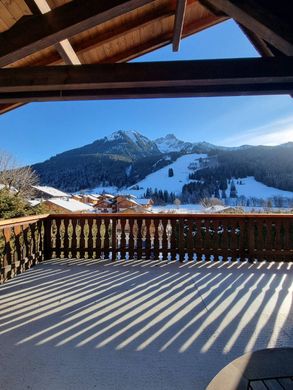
126, 156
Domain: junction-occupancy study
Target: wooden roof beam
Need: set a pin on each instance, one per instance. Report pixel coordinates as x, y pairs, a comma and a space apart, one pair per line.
258, 18
41, 31
228, 77
64, 47
178, 23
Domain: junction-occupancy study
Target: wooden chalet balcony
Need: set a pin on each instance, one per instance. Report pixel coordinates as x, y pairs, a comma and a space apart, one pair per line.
27, 241
110, 308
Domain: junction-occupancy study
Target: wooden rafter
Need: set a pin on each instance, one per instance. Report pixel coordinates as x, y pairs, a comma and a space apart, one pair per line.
64, 47
41, 31
259, 19
178, 23
251, 76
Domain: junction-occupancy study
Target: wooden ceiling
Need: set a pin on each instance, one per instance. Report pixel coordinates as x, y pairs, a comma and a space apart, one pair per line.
120, 39
41, 33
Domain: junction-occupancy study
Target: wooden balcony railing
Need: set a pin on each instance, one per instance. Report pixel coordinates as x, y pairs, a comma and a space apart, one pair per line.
183, 237
21, 244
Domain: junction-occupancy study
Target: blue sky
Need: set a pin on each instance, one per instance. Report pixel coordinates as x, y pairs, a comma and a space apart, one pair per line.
38, 131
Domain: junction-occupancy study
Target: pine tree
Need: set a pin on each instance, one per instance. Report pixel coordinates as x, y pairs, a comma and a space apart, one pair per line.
170, 172
233, 191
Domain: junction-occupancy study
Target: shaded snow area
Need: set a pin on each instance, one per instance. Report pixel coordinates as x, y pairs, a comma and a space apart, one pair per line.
253, 188
162, 181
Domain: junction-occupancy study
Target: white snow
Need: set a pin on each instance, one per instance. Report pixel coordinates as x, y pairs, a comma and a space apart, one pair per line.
162, 181
253, 188
51, 191
70, 204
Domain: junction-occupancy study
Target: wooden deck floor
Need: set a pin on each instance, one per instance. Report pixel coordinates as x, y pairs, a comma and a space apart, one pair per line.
77, 324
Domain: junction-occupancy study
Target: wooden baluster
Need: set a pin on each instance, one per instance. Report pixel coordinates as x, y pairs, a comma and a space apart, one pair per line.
181, 243
147, 239
27, 246
242, 239
7, 253
215, 241
156, 239
198, 241
164, 240
123, 239
233, 239
269, 240
17, 252
114, 238
2, 253
251, 239
47, 239
98, 238
81, 223
190, 239
66, 238
287, 247
278, 244
40, 247
174, 239
90, 240
143, 238
207, 240
74, 238
224, 239
34, 244
139, 239
131, 240
106, 249
135, 233
58, 238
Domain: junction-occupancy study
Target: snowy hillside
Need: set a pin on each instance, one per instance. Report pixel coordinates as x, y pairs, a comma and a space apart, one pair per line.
252, 188
162, 181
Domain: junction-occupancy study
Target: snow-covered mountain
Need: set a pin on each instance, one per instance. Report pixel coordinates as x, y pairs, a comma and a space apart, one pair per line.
131, 143
125, 158
170, 143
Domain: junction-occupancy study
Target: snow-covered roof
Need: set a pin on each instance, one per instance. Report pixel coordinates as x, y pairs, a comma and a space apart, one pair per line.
217, 208
51, 191
144, 201
34, 202
70, 204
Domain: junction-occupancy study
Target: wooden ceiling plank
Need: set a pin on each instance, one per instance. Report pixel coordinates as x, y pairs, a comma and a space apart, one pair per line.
174, 78
126, 28
61, 23
162, 40
178, 23
258, 19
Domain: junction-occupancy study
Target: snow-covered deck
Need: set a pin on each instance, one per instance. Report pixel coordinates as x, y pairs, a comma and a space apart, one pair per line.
77, 324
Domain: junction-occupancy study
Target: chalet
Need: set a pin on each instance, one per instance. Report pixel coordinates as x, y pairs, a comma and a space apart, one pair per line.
66, 205
136, 210
46, 192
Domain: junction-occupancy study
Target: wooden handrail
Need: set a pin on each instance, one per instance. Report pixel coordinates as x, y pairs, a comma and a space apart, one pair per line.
21, 220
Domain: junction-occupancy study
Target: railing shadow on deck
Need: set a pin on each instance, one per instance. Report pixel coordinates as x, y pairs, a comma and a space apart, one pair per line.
172, 313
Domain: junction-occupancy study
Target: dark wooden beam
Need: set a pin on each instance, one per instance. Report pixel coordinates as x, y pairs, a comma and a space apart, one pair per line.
257, 16
72, 18
178, 23
226, 77
64, 47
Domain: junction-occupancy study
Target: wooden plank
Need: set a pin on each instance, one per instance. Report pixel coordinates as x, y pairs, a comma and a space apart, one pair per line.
41, 31
178, 23
143, 80
257, 17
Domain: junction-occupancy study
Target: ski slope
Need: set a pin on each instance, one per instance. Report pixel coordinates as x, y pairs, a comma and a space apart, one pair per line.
253, 188
162, 181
